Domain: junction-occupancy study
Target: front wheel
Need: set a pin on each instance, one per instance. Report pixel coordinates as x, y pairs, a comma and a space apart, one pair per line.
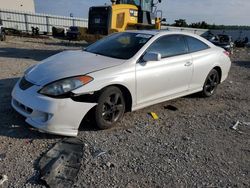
211, 83
110, 108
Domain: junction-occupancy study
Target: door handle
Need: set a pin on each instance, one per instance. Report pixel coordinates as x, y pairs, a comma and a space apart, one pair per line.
188, 64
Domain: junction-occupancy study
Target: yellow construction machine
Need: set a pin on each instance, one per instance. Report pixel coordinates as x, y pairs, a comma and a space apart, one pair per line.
120, 16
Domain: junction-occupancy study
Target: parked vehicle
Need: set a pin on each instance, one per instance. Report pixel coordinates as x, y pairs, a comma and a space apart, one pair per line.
223, 41
73, 33
241, 43
76, 33
120, 16
123, 72
58, 32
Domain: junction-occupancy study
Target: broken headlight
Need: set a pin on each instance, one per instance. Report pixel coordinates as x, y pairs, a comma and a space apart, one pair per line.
65, 86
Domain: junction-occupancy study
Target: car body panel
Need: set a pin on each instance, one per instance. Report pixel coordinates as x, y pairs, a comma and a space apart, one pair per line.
123, 75
164, 79
67, 64
58, 116
203, 62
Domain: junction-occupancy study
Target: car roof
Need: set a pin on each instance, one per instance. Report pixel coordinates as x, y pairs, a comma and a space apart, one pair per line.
150, 32
166, 32
162, 32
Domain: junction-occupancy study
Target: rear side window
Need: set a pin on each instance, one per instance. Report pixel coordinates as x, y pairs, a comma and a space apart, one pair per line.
168, 46
195, 45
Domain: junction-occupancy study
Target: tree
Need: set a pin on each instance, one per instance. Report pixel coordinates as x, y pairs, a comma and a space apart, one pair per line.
180, 23
201, 25
204, 25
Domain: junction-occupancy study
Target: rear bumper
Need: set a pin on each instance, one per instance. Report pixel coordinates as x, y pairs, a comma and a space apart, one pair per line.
56, 116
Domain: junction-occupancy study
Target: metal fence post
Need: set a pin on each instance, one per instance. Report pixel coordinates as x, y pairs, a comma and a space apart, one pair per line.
1, 15
47, 24
26, 22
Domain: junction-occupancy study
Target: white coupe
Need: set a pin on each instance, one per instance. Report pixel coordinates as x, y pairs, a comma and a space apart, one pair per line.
122, 72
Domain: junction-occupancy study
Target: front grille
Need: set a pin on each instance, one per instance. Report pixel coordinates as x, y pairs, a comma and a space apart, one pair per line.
24, 84
22, 107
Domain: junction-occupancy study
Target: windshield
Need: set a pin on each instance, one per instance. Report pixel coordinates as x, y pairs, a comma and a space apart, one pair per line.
119, 45
146, 5
132, 2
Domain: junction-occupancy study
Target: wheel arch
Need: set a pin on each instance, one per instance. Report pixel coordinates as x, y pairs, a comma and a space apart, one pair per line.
93, 98
126, 94
219, 70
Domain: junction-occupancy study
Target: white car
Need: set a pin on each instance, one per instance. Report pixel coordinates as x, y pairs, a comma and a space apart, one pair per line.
122, 72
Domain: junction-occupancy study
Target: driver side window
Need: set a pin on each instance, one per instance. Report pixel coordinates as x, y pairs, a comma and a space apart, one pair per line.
168, 46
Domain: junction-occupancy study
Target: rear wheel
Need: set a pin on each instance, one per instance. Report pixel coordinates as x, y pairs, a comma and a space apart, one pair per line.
211, 83
110, 108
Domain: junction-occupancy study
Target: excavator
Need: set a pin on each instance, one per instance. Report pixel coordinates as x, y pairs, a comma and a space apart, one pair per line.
120, 16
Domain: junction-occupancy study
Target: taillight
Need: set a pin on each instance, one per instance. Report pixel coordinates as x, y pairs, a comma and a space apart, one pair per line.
226, 53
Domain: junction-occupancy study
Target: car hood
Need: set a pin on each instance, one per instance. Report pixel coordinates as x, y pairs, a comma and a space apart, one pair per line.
68, 64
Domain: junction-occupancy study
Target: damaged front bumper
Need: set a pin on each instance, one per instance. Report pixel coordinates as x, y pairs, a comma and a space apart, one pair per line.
56, 116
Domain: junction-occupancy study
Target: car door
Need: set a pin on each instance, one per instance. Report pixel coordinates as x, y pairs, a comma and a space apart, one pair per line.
167, 77
202, 58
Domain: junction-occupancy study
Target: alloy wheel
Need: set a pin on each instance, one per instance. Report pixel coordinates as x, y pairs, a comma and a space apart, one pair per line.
211, 83
112, 108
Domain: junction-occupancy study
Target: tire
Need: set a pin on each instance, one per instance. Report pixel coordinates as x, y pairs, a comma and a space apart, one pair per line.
211, 83
110, 108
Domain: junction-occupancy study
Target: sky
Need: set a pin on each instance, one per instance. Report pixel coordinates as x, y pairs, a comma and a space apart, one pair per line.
227, 12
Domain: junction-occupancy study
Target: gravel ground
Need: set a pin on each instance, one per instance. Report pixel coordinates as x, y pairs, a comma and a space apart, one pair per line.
191, 146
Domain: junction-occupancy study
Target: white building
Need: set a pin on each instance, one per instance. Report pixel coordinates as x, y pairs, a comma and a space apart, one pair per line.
18, 5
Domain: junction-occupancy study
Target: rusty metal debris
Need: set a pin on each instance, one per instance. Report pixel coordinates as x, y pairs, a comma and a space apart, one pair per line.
60, 165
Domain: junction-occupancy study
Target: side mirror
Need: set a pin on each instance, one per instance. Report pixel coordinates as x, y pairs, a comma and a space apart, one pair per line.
151, 56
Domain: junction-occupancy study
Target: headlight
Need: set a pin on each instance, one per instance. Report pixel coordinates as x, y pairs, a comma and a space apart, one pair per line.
65, 86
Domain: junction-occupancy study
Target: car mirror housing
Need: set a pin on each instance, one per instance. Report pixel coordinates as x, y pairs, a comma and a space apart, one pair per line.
152, 56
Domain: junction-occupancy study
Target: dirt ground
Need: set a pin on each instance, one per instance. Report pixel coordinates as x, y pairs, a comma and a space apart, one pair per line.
191, 146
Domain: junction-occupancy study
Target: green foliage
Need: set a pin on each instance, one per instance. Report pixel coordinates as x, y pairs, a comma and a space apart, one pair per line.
204, 25
180, 23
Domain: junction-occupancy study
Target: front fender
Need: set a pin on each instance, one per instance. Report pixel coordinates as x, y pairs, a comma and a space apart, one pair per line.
124, 76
